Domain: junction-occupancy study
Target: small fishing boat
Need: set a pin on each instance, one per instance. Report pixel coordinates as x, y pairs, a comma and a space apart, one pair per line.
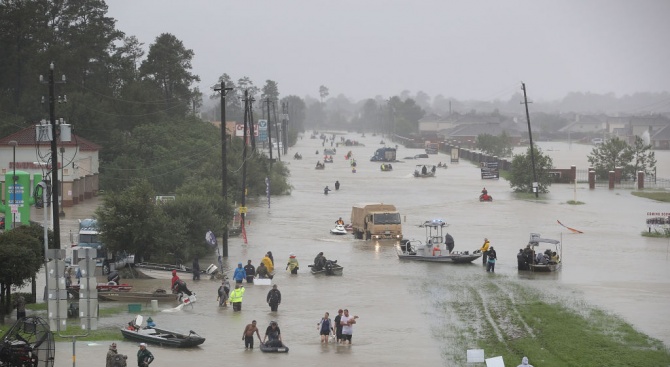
338, 230
435, 249
422, 170
101, 287
162, 337
547, 265
331, 268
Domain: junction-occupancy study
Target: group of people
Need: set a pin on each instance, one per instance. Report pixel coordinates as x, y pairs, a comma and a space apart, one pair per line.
327, 189
489, 256
341, 327
321, 263
527, 256
114, 359
272, 336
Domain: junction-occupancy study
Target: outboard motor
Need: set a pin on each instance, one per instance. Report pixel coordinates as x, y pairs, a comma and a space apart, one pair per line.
114, 277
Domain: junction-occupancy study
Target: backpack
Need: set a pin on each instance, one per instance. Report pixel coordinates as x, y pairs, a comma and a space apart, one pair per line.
119, 360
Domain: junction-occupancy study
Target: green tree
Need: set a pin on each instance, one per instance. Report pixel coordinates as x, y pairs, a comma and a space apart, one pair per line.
521, 174
609, 155
500, 146
21, 257
323, 92
270, 90
168, 66
643, 158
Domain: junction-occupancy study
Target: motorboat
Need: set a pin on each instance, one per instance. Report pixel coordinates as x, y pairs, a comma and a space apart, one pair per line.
28, 342
338, 230
386, 167
328, 159
547, 265
320, 166
331, 268
162, 337
485, 197
434, 249
164, 271
422, 170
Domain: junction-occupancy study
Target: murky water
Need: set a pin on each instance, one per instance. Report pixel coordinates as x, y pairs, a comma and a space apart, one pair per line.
610, 266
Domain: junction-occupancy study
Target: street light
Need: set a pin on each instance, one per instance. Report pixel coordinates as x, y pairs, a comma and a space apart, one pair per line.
14, 143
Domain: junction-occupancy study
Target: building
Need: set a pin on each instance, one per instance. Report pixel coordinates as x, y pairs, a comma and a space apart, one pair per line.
78, 163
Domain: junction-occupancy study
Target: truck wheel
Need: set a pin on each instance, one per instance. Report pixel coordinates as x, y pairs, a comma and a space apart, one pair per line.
367, 236
358, 235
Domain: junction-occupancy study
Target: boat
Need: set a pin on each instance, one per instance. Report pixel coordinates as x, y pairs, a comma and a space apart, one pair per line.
162, 337
349, 227
434, 250
164, 271
486, 197
159, 295
328, 159
386, 167
73, 290
338, 230
422, 170
268, 349
331, 268
320, 166
535, 241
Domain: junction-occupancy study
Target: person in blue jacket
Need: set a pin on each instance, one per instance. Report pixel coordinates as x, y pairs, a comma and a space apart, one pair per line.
240, 274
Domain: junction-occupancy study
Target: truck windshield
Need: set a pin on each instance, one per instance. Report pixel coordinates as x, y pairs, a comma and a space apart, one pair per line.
386, 218
89, 238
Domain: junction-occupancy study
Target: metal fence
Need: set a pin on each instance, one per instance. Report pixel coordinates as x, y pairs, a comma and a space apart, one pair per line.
650, 182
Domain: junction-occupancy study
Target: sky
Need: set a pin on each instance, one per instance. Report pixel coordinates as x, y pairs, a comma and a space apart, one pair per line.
465, 49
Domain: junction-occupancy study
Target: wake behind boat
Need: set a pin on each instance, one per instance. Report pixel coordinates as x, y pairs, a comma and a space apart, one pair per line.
435, 248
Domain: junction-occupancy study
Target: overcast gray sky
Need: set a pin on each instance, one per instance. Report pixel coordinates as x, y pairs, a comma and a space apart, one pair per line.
467, 49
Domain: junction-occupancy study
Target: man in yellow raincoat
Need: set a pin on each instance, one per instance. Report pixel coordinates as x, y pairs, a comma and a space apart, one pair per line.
236, 297
484, 249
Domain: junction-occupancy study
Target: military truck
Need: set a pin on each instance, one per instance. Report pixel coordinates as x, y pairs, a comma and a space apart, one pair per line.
376, 221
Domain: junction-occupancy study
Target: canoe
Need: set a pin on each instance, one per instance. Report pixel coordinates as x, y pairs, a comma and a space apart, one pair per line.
165, 338
267, 349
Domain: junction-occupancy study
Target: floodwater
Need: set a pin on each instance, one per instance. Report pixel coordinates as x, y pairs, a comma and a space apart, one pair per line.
610, 265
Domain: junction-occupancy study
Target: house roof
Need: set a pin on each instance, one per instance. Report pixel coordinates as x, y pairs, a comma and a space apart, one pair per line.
26, 137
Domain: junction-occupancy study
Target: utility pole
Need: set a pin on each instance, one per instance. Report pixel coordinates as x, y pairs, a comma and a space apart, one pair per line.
247, 112
269, 130
285, 123
54, 153
536, 187
251, 121
277, 126
224, 165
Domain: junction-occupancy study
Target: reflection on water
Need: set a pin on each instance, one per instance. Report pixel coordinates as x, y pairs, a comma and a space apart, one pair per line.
610, 265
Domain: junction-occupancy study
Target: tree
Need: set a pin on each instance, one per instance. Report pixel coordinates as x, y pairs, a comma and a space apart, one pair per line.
500, 146
323, 92
21, 256
643, 159
168, 66
521, 174
609, 155
270, 90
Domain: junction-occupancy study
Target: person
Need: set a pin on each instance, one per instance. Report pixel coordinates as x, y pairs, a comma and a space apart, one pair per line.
269, 265
272, 259
20, 305
248, 335
347, 323
224, 292
317, 152
484, 250
251, 271
77, 274
150, 323
521, 260
175, 278
339, 221
449, 242
273, 298
239, 274
325, 327
337, 185
540, 259
326, 190
144, 356
272, 335
338, 326
432, 169
524, 362
196, 269
114, 278
319, 164
319, 261
484, 192
292, 264
110, 355
491, 262
554, 257
424, 170
179, 286
236, 297
262, 271
68, 277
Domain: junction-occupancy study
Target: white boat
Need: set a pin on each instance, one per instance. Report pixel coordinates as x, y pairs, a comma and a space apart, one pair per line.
434, 249
423, 170
338, 230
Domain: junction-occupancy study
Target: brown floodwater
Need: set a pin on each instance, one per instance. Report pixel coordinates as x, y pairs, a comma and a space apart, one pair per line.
610, 266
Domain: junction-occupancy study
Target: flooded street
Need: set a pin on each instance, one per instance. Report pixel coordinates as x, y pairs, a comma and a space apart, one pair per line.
609, 266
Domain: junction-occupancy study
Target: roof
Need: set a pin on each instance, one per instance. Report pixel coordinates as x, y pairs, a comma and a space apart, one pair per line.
26, 137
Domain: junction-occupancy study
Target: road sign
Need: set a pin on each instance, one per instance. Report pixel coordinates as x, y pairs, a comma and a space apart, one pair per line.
243, 210
262, 124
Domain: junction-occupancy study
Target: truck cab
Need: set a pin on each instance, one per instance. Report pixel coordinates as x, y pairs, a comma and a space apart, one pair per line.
376, 221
